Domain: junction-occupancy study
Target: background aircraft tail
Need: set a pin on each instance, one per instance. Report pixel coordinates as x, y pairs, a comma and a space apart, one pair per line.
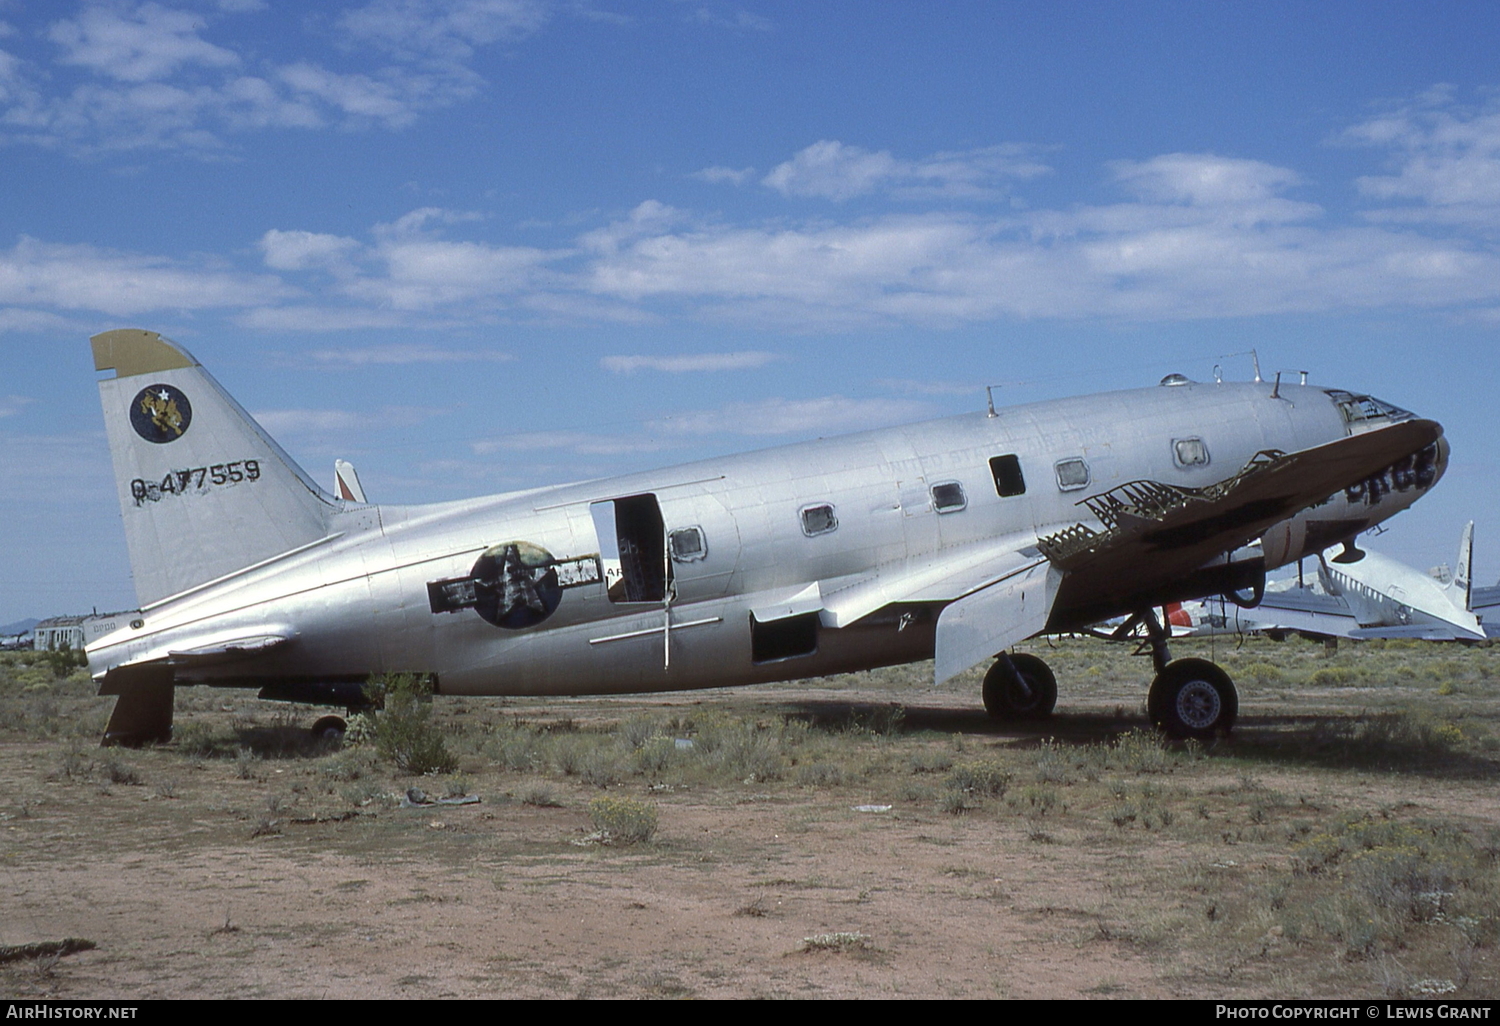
1460, 588
204, 491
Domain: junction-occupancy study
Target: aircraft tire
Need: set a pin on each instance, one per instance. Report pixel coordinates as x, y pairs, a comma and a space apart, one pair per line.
1031, 697
329, 728
1193, 698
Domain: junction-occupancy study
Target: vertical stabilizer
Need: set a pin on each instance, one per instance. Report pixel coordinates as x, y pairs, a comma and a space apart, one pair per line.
203, 490
1460, 589
346, 484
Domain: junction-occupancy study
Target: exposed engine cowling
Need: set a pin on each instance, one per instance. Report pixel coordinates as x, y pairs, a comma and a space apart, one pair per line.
1285, 543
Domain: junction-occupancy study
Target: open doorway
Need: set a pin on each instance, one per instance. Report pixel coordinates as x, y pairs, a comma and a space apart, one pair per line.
633, 548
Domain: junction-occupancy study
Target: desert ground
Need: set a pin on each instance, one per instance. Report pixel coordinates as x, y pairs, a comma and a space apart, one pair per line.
865, 836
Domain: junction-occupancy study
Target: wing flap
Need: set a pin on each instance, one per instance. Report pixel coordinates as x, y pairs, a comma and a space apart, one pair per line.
990, 620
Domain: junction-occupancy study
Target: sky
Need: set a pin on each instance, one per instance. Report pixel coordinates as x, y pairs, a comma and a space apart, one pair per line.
485, 245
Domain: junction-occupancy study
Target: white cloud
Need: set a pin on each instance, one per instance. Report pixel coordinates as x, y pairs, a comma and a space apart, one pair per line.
403, 353
581, 442
310, 421
738, 19
133, 77
17, 320
825, 415
140, 44
299, 250
1203, 179
300, 318
10, 405
833, 170
715, 175
1446, 162
79, 277
445, 30
690, 363
395, 99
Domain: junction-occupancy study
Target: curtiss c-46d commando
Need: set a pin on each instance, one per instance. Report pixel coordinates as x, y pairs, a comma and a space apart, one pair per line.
953, 539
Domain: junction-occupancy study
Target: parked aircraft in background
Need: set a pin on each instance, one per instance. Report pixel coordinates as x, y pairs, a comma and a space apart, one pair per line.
346, 484
1374, 597
953, 539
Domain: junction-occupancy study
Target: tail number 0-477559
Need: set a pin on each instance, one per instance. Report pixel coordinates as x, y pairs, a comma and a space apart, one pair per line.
195, 479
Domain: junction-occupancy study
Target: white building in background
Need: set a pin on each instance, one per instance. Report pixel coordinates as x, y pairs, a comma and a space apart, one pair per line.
77, 632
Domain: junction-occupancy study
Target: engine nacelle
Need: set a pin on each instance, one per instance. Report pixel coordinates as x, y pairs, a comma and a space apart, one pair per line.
1285, 543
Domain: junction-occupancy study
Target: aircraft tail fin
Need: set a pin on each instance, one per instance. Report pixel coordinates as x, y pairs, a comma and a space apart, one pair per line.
204, 491
346, 484
1460, 589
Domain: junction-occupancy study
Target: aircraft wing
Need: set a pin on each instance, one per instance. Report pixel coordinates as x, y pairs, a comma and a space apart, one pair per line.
944, 577
1155, 534
995, 593
1293, 610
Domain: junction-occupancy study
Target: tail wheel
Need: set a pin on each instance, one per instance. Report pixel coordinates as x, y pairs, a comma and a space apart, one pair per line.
329, 728
1193, 698
1020, 687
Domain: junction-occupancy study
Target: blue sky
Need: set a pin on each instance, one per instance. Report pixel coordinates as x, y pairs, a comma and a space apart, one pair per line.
489, 244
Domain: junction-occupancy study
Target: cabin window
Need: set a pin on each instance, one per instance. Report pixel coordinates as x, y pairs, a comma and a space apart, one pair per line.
1008, 477
818, 519
1190, 452
687, 544
949, 497
1072, 474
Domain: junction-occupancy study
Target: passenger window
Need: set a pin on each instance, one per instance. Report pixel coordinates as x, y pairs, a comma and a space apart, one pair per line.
1072, 474
949, 497
1190, 452
818, 519
687, 544
1008, 477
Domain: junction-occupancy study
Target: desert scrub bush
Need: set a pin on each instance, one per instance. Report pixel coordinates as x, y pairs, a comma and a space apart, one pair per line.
881, 721
1380, 878
744, 750
1333, 676
636, 731
1402, 738
658, 754
970, 783
202, 741
601, 767
820, 774
118, 771
404, 731
929, 762
839, 942
345, 767
1258, 671
62, 661
623, 820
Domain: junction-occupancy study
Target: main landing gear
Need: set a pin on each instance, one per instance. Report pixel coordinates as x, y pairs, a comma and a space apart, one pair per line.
1019, 687
1189, 698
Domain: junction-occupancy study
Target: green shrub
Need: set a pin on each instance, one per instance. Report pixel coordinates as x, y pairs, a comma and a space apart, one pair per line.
623, 820
404, 731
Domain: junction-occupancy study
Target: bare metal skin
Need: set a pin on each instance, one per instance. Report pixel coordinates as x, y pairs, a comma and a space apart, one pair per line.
951, 539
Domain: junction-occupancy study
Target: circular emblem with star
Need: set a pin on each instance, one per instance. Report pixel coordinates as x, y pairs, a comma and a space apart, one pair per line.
161, 413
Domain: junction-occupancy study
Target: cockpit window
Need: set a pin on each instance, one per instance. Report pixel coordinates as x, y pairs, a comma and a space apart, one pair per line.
1357, 408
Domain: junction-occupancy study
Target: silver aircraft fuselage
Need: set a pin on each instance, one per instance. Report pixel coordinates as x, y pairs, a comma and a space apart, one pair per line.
806, 559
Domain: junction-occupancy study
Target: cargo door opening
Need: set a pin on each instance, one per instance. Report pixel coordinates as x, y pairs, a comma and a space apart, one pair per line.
633, 548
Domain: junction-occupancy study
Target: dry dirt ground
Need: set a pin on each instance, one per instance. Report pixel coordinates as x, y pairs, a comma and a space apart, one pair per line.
871, 836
